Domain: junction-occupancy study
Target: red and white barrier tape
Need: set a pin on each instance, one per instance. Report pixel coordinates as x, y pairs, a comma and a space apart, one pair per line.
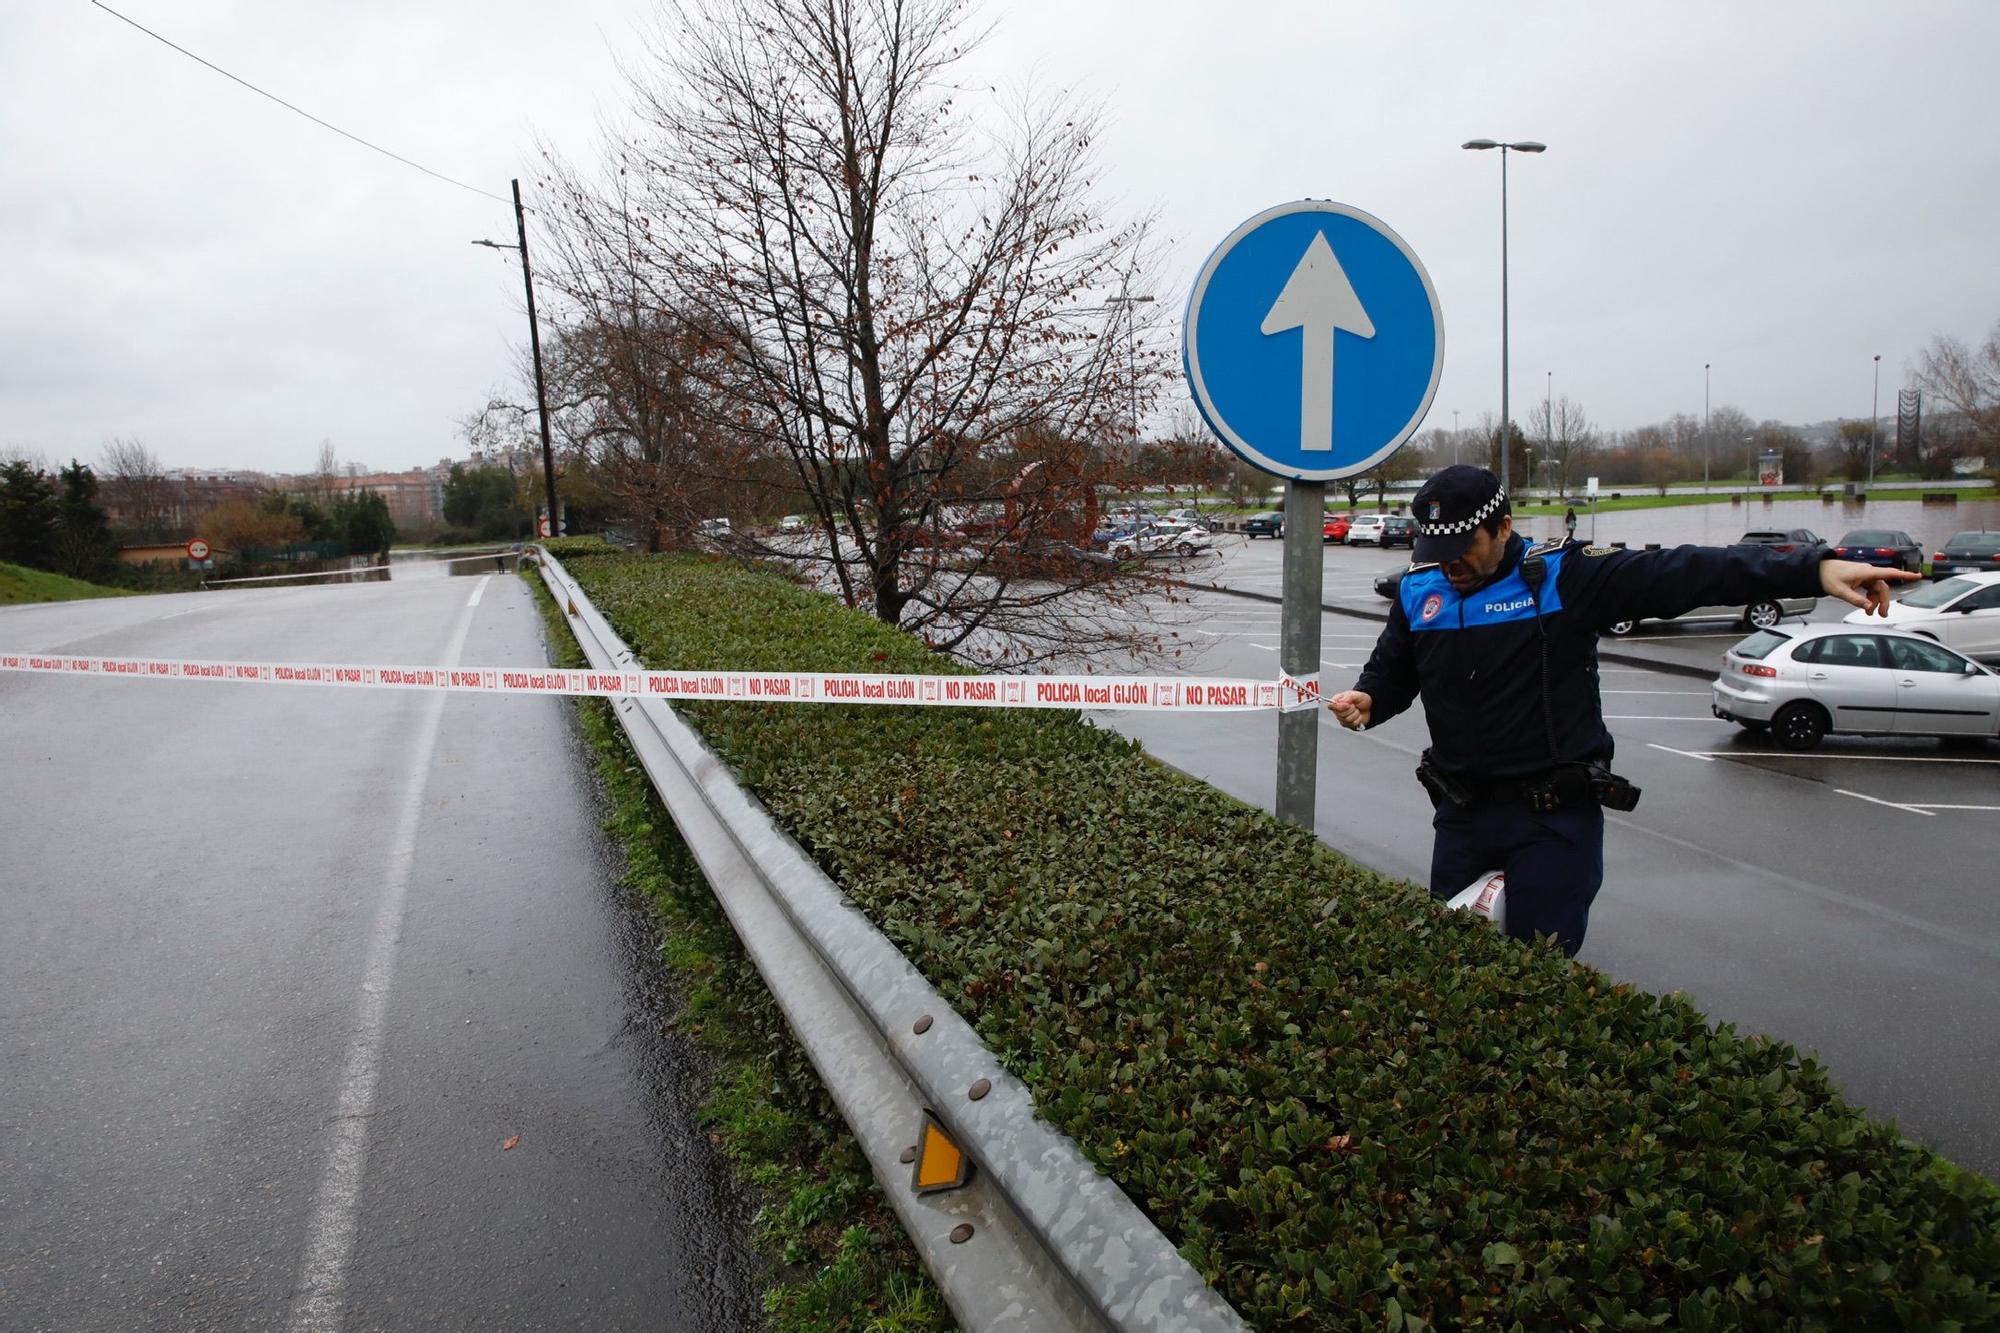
1173, 694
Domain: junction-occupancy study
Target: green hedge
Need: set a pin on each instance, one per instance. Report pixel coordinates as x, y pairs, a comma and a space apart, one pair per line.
1348, 1107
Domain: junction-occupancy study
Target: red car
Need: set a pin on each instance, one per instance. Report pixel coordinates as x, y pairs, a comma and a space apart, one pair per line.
1334, 528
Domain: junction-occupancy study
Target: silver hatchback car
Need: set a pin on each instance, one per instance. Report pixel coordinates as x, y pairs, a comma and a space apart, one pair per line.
1801, 681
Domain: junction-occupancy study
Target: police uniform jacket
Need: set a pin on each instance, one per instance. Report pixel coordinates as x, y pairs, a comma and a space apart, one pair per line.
1477, 660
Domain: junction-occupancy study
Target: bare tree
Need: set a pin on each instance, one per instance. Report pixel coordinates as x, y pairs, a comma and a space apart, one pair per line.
1966, 380
1563, 435
147, 503
1851, 444
899, 303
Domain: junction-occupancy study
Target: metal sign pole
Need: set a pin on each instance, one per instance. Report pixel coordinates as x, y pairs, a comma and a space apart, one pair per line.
1299, 648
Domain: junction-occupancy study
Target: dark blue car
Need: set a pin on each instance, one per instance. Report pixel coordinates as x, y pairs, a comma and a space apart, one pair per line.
1887, 547
1268, 524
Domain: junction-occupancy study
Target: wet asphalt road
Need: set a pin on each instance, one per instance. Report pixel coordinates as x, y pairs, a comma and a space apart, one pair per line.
205, 1121
1770, 887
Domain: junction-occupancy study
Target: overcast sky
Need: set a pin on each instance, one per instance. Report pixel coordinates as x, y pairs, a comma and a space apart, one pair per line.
1781, 189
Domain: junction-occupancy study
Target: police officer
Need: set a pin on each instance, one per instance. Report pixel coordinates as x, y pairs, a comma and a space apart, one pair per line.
1500, 641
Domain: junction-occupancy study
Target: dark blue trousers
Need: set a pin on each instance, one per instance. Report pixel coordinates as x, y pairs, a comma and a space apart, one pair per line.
1554, 863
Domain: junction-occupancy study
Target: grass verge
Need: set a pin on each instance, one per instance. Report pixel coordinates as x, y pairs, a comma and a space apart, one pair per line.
840, 1257
18, 583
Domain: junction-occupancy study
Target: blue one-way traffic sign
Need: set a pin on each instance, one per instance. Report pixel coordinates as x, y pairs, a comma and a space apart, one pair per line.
1313, 341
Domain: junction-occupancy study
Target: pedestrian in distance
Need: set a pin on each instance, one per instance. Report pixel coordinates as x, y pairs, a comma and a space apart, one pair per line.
1499, 640
1569, 523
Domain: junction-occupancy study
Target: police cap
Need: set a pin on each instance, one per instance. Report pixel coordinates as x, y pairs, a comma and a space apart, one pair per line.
1450, 508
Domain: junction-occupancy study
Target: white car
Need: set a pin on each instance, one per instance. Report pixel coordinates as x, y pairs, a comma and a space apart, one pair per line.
1798, 682
1366, 530
1962, 612
792, 523
1161, 538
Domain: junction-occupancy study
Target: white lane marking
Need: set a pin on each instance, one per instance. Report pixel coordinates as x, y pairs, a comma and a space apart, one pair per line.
191, 611
318, 1299
1932, 805
1872, 758
1876, 800
1691, 694
1653, 717
1686, 754
479, 590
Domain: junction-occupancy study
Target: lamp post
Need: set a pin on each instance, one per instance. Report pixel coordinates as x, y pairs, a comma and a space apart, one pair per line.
1524, 146
1454, 437
535, 342
1128, 304
1874, 416
1548, 426
1704, 427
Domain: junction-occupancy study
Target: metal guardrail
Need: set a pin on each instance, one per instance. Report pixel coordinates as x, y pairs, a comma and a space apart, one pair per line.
1037, 1239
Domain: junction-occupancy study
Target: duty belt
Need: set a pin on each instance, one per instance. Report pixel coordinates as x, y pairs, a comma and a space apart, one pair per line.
1567, 786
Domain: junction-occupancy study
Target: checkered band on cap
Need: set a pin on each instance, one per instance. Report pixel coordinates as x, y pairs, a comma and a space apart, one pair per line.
1479, 516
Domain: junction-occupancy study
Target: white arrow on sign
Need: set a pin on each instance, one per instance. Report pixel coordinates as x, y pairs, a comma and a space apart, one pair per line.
1318, 299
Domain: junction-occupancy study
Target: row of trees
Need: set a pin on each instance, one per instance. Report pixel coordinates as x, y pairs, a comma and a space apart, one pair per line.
62, 522
54, 525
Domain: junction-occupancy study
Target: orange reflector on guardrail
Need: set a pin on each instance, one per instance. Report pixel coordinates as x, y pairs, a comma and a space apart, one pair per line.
941, 1163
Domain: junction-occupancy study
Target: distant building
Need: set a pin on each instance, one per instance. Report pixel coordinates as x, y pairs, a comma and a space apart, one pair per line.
415, 499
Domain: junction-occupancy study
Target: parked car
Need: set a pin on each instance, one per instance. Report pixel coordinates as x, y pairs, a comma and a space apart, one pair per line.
1193, 516
1791, 539
1179, 538
1268, 524
1966, 553
1962, 612
1333, 528
792, 523
1803, 681
1888, 547
1399, 530
1160, 538
1387, 584
713, 527
1366, 529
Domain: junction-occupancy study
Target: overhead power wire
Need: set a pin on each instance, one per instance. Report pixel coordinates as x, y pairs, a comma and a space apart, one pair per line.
298, 110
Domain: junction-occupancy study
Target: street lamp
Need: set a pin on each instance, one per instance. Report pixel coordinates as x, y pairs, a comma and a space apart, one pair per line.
1548, 425
1131, 350
535, 342
1454, 437
1874, 416
1524, 146
1704, 427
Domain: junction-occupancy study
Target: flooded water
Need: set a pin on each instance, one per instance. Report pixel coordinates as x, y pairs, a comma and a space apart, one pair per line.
445, 564
1719, 524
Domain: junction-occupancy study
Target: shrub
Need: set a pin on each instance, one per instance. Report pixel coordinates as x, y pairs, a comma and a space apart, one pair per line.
1346, 1105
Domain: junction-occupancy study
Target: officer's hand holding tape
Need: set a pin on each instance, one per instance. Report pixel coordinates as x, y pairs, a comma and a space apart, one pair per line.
1865, 586
1352, 708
